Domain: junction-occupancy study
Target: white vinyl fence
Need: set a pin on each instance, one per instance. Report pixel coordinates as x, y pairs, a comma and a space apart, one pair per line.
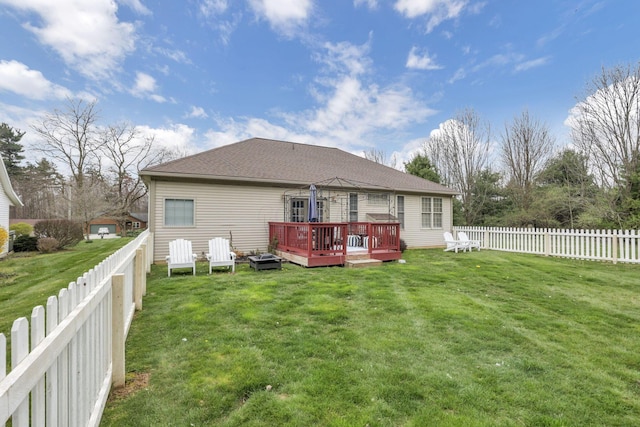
598, 245
62, 368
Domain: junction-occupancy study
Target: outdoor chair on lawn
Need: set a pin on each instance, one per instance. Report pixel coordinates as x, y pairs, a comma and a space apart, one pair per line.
454, 245
470, 243
220, 254
181, 256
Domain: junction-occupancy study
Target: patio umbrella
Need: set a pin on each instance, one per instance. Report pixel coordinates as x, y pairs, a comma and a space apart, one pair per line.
313, 205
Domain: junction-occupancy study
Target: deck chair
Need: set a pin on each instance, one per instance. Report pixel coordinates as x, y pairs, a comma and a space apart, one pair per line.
181, 256
454, 245
470, 243
220, 255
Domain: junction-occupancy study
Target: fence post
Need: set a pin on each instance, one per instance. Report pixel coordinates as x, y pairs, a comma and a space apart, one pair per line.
547, 242
614, 246
117, 330
139, 276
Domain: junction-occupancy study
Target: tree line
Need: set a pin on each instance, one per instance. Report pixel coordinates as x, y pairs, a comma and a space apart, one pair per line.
87, 170
521, 178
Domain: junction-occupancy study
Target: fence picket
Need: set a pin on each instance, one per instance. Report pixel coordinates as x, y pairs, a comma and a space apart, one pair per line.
20, 350
38, 392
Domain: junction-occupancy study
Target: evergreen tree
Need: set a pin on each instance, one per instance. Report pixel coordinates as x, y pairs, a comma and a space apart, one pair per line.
421, 166
11, 149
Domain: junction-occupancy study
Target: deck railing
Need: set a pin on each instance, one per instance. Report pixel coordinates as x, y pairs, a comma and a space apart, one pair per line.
330, 238
598, 245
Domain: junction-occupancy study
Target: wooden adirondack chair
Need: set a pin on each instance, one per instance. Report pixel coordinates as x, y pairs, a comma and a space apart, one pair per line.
181, 256
220, 254
470, 243
454, 245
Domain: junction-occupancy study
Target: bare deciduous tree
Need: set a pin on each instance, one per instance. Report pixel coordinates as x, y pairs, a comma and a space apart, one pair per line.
526, 146
127, 152
606, 126
69, 137
459, 149
379, 156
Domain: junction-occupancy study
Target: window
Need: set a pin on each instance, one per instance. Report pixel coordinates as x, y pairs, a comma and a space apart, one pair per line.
136, 224
298, 210
400, 211
353, 207
431, 212
376, 199
179, 212
437, 212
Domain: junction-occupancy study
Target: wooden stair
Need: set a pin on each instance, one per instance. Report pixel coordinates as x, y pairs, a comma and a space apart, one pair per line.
359, 262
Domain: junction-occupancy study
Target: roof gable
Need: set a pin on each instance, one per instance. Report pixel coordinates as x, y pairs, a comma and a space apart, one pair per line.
281, 162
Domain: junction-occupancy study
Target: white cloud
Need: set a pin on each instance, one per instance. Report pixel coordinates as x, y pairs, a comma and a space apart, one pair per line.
213, 7
533, 63
421, 61
458, 75
345, 58
16, 77
197, 113
137, 6
145, 87
177, 137
371, 4
86, 34
351, 113
438, 11
286, 17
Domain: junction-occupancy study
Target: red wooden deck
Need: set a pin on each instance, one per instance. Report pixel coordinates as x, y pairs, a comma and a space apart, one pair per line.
318, 244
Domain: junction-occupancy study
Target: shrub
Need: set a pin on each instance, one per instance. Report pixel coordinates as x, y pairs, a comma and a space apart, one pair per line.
66, 232
4, 236
25, 244
22, 229
46, 245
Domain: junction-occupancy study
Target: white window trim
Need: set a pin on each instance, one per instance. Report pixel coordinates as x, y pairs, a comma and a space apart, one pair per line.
432, 213
164, 212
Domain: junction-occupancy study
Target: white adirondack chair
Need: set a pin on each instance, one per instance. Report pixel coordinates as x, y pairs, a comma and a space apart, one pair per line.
181, 256
454, 245
220, 254
470, 243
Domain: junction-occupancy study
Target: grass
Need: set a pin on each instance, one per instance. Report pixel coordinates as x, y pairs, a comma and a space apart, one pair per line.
480, 339
27, 279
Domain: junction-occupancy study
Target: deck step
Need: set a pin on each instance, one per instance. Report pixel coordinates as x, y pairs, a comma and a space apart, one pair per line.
360, 263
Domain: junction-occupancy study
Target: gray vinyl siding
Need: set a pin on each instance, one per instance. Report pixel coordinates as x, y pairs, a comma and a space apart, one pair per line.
413, 234
238, 213
241, 213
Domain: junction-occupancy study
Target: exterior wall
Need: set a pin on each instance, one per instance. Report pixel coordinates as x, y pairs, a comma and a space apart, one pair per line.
413, 234
241, 213
4, 215
238, 213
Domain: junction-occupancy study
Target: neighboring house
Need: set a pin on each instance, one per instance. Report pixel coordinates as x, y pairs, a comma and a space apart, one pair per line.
8, 198
133, 222
234, 191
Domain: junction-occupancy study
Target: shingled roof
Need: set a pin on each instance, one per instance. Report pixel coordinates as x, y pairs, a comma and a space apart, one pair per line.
288, 163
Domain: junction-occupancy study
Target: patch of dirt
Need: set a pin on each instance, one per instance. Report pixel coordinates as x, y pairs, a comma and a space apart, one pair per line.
132, 384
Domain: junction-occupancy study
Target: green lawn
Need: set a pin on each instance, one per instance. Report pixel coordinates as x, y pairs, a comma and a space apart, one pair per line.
478, 339
28, 279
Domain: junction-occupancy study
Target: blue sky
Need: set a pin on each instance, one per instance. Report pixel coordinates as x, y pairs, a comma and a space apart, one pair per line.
354, 74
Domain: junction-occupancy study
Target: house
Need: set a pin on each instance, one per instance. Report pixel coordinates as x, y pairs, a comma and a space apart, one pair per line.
237, 190
132, 222
8, 198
